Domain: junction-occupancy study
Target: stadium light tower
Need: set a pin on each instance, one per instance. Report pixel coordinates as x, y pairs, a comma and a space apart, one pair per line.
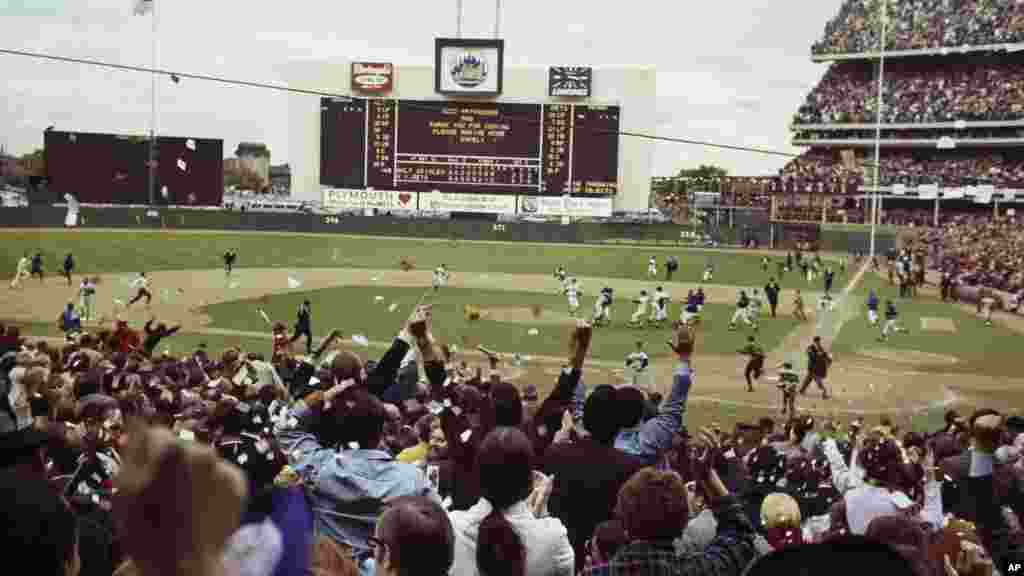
878, 123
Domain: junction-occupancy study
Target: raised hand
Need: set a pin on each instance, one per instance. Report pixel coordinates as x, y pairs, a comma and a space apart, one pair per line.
579, 343
177, 503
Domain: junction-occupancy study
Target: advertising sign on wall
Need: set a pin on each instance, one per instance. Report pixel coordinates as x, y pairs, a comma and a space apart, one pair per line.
566, 206
353, 199
479, 203
372, 77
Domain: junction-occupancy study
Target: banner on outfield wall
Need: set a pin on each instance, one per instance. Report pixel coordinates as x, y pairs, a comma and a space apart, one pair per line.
478, 203
355, 199
566, 206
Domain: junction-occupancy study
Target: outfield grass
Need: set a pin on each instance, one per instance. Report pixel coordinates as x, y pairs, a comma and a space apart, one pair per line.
353, 310
106, 251
991, 350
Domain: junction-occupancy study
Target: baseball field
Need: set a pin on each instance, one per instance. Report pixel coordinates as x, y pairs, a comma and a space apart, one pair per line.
946, 358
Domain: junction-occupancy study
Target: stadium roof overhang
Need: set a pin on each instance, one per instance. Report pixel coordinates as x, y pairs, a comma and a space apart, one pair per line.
946, 51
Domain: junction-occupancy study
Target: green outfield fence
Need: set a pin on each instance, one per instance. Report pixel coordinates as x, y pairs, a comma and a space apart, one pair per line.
744, 227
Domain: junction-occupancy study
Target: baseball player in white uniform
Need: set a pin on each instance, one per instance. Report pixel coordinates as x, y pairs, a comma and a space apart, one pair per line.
742, 311
660, 311
572, 291
652, 267
22, 273
637, 364
561, 275
87, 297
709, 272
641, 309
440, 277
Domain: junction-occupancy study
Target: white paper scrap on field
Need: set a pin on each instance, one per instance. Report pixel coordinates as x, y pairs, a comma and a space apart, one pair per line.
393, 307
360, 340
294, 283
378, 298
181, 165
190, 144
373, 279
234, 285
533, 331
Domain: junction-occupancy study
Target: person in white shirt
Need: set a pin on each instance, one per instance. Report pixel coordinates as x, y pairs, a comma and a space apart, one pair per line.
87, 297
142, 285
508, 530
660, 311
22, 272
652, 267
641, 309
440, 277
572, 291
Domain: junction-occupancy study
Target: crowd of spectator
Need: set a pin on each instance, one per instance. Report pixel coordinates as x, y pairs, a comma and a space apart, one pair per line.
921, 25
918, 91
114, 461
1000, 167
979, 251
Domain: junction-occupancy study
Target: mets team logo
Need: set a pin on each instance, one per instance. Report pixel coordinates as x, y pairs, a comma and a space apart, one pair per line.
468, 70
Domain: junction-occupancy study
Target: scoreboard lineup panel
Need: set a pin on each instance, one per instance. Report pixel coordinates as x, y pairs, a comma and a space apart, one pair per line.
493, 148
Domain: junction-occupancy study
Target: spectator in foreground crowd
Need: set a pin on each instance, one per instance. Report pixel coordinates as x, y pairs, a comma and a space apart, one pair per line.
508, 531
220, 485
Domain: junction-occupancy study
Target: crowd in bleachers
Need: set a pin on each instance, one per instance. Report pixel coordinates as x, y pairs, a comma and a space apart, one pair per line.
918, 91
981, 251
922, 24
113, 459
1000, 167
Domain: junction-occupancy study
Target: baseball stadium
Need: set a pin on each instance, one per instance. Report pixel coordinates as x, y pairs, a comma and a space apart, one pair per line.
500, 229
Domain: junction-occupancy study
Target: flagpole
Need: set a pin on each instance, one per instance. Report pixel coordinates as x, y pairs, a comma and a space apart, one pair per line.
152, 120
878, 125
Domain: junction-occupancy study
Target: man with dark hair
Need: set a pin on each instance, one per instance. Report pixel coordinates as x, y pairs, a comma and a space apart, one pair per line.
649, 439
755, 363
302, 326
588, 473
354, 481
772, 291
818, 362
413, 536
653, 509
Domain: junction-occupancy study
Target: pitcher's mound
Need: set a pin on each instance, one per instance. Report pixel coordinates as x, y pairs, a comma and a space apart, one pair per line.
907, 356
937, 324
526, 316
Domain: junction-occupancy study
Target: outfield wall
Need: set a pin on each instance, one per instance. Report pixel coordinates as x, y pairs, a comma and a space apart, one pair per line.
744, 227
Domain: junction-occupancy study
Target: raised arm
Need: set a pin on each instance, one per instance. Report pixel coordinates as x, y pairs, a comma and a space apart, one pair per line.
656, 434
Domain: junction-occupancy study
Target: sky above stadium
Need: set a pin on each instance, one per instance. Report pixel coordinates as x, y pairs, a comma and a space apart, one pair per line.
728, 72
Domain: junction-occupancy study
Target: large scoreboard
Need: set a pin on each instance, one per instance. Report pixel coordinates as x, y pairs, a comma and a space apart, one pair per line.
469, 147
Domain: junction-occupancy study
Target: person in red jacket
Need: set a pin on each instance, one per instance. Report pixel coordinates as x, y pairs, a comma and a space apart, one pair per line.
126, 338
